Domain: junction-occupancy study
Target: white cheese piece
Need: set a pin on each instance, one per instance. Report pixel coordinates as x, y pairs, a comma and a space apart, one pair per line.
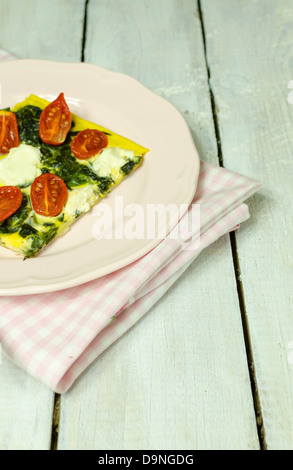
21, 166
80, 200
110, 160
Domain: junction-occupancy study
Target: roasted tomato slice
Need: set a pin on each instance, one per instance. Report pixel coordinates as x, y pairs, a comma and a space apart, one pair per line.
10, 201
9, 135
48, 195
88, 143
55, 122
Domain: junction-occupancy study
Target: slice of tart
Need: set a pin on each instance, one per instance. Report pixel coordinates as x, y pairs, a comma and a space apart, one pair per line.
54, 167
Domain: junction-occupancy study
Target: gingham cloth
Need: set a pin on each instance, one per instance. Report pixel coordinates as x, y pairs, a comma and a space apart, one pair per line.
55, 336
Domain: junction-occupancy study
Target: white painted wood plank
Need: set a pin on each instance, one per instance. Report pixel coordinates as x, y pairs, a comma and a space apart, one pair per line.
34, 29
42, 29
178, 379
25, 410
249, 46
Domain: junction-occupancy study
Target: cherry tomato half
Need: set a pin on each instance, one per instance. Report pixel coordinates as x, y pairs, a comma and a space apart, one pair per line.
9, 135
10, 201
88, 143
48, 195
55, 122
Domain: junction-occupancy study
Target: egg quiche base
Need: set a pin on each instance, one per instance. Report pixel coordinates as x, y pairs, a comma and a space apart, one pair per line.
87, 181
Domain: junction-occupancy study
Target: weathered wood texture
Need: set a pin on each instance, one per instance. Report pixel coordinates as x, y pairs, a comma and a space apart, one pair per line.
42, 29
249, 48
179, 378
34, 29
25, 410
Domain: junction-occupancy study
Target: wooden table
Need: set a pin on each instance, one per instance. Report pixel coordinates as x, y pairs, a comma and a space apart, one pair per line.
211, 366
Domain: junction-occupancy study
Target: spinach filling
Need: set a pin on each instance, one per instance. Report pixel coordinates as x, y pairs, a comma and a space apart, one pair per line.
20, 222
129, 165
14, 222
57, 159
37, 239
28, 119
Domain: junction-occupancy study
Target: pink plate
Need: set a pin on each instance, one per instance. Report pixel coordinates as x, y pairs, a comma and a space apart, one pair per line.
168, 175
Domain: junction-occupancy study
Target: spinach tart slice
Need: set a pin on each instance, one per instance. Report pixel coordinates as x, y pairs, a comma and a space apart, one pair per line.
54, 167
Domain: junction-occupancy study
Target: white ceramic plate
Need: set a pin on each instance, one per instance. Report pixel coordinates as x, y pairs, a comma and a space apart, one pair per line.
168, 175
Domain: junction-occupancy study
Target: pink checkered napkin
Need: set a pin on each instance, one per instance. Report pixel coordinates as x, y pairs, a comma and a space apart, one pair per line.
55, 336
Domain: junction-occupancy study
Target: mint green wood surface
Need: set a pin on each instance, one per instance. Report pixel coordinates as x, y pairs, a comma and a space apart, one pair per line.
42, 30
180, 378
249, 45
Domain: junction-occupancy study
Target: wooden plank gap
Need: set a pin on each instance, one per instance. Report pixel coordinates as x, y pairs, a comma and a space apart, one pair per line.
248, 345
212, 96
55, 422
84, 30
57, 397
236, 263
